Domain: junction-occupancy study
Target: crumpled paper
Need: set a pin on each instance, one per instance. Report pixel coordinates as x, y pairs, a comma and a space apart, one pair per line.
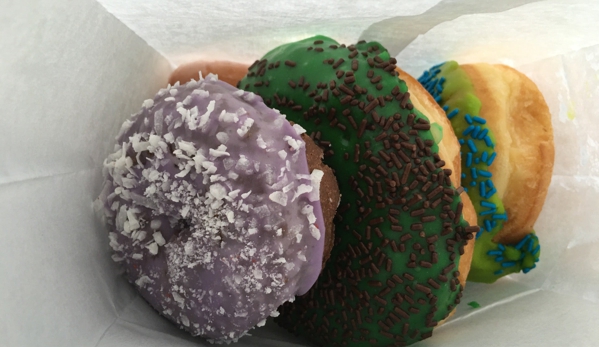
73, 71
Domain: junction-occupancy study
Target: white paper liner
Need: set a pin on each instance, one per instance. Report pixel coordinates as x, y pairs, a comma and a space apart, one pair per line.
185, 30
72, 73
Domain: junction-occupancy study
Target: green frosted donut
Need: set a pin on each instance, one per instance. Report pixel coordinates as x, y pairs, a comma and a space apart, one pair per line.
453, 90
392, 274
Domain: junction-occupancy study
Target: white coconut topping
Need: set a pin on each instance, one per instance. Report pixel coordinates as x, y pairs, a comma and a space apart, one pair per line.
298, 129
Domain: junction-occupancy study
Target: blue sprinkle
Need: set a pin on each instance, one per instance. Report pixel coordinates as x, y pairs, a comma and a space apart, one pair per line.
522, 242
468, 119
499, 259
431, 85
536, 250
529, 247
490, 193
438, 99
468, 159
487, 212
472, 146
473, 172
495, 252
463, 175
501, 246
479, 233
479, 120
490, 184
498, 272
494, 223
475, 132
484, 173
445, 108
461, 141
484, 156
437, 66
519, 245
488, 141
488, 225
439, 88
500, 216
487, 204
477, 160
453, 113
442, 80
468, 130
473, 183
465, 189
526, 270
483, 134
490, 161
508, 264
482, 189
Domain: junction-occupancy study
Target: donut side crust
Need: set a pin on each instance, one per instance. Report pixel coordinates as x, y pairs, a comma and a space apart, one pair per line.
520, 119
227, 71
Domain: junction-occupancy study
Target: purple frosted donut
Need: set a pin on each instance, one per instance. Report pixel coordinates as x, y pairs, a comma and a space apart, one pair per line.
212, 209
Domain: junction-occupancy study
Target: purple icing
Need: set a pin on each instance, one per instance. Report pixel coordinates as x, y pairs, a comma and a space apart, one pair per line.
212, 209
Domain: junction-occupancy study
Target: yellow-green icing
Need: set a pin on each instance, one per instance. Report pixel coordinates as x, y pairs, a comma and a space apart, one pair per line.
392, 274
437, 131
452, 89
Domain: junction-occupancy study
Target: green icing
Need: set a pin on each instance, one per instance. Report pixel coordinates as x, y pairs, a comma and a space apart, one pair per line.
392, 273
474, 304
451, 87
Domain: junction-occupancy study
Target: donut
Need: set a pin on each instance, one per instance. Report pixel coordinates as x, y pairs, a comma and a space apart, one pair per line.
504, 128
393, 274
227, 71
212, 209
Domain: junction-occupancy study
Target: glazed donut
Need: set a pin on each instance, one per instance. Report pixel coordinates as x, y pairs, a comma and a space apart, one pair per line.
505, 131
212, 209
393, 272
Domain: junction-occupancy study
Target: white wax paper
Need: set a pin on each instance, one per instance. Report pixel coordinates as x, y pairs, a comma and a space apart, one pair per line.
184, 30
72, 72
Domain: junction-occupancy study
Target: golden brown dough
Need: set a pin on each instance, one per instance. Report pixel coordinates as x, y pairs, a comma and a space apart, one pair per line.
469, 214
516, 112
227, 71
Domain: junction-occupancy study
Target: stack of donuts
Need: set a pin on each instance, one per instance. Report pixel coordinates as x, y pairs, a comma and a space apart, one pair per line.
326, 187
